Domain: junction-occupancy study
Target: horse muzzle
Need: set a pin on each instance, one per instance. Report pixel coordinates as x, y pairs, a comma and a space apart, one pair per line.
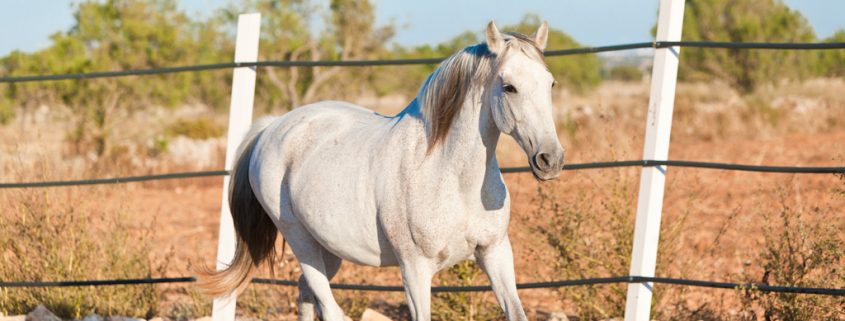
547, 165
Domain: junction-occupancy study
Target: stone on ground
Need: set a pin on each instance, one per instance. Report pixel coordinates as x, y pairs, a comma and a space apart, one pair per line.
92, 317
21, 317
373, 315
557, 316
122, 318
41, 313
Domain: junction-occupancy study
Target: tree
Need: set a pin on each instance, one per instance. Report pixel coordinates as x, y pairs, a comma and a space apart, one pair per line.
745, 21
113, 35
580, 72
832, 62
577, 72
350, 33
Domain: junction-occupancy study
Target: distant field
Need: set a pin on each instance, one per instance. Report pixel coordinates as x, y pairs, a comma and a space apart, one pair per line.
717, 223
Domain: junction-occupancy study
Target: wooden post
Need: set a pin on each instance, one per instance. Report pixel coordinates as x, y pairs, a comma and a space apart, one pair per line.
664, 76
240, 118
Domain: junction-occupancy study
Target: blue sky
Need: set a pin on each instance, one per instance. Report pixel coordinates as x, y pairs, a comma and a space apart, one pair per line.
26, 25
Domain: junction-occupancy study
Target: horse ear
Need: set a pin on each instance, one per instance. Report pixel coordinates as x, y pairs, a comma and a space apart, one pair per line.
495, 42
541, 37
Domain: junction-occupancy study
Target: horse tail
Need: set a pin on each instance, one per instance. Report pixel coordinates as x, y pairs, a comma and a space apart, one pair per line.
256, 232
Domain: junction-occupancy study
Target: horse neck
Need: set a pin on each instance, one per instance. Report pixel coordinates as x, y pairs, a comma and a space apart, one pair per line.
472, 139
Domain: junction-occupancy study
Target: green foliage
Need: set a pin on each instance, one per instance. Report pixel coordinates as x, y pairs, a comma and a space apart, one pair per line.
198, 128
119, 35
832, 62
6, 111
45, 238
745, 21
349, 33
580, 72
406, 80
136, 34
626, 73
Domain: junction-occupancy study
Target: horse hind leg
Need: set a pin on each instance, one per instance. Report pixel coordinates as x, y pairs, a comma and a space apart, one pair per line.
318, 267
306, 304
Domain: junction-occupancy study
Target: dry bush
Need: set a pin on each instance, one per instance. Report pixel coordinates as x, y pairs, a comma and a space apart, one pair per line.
466, 306
267, 302
257, 301
188, 303
592, 237
804, 247
55, 236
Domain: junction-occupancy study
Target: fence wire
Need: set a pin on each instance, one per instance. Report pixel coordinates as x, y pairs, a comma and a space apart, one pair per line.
472, 288
505, 170
420, 61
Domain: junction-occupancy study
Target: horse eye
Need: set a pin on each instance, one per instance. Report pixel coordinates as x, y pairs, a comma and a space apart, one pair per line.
509, 88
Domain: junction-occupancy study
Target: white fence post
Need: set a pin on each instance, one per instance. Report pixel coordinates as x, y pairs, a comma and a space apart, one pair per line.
240, 118
664, 76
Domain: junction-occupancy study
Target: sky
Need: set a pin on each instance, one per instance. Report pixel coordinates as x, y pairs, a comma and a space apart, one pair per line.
27, 24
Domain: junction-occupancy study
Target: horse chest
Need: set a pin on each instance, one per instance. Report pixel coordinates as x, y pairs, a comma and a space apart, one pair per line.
449, 234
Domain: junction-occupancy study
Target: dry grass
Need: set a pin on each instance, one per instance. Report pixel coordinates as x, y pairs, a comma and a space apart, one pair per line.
57, 236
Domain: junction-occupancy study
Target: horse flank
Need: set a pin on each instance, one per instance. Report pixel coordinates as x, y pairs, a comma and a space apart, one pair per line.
445, 90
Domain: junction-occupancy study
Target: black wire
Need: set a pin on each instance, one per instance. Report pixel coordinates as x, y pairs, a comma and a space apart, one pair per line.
41, 284
419, 61
115, 180
506, 170
474, 288
752, 45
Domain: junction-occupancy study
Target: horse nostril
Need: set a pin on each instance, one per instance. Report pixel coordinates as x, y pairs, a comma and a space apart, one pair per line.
543, 161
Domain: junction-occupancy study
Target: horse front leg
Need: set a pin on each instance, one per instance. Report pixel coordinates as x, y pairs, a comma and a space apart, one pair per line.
497, 261
416, 278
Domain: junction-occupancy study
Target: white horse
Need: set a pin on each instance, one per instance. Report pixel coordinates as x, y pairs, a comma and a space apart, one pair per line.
421, 190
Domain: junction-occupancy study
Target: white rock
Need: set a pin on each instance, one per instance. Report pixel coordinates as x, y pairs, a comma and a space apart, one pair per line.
121, 318
557, 316
373, 315
92, 317
41, 313
21, 317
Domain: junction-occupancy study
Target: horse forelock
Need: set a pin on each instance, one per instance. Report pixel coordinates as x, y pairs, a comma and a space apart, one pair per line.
446, 89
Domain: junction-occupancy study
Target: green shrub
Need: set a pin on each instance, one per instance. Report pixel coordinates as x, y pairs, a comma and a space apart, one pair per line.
832, 62
6, 111
625, 73
579, 72
198, 128
745, 21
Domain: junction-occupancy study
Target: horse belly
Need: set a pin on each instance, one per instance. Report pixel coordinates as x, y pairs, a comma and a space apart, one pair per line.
336, 212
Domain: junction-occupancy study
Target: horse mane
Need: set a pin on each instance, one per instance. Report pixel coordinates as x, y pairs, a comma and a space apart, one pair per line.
445, 90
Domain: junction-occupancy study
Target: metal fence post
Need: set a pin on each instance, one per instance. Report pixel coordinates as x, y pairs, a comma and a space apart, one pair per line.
652, 179
240, 118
